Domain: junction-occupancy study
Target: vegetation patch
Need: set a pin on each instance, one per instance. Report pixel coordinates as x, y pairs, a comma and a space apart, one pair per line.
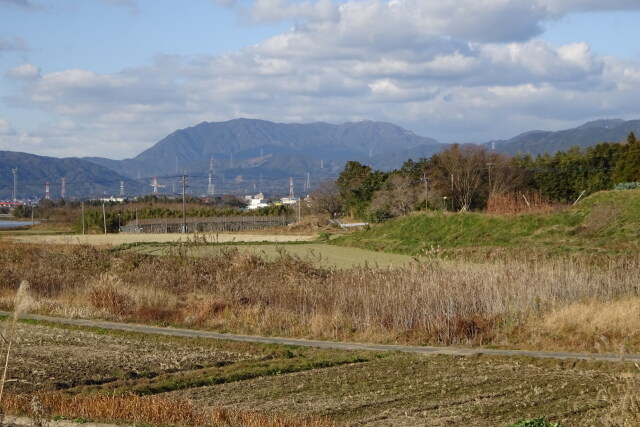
606, 220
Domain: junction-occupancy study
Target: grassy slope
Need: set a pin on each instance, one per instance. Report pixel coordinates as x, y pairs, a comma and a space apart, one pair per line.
608, 220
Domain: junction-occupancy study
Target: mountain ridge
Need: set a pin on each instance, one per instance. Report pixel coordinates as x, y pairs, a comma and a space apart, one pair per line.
249, 155
83, 178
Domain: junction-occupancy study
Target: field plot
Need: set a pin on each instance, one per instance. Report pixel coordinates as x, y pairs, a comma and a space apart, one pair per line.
320, 255
341, 387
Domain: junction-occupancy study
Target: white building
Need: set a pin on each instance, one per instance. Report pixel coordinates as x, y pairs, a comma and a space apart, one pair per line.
256, 202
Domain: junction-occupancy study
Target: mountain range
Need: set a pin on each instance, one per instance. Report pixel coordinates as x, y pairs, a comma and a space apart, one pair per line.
246, 156
82, 178
590, 133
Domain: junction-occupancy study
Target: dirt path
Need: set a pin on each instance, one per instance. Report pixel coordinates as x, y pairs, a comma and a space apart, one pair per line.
451, 351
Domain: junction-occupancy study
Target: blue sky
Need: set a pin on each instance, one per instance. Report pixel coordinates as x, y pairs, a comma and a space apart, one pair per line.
112, 77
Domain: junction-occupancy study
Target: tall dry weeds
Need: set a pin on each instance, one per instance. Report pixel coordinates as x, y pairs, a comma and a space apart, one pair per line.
518, 203
153, 410
432, 301
23, 301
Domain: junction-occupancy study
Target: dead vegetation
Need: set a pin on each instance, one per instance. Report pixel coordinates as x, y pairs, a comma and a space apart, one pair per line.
147, 410
580, 303
519, 203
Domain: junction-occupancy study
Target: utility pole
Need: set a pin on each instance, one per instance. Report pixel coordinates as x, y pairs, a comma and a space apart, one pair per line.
426, 191
104, 218
14, 171
490, 188
453, 209
184, 181
82, 210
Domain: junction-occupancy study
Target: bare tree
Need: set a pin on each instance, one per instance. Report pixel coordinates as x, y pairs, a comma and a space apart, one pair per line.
326, 199
460, 170
398, 197
503, 174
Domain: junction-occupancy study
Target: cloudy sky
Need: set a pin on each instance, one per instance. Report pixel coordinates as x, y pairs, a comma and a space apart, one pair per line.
112, 77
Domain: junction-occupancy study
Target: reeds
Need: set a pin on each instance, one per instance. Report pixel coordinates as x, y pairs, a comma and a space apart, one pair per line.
23, 302
431, 301
518, 203
150, 410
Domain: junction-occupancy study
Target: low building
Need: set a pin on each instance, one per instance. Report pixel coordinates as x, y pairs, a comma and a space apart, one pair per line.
256, 202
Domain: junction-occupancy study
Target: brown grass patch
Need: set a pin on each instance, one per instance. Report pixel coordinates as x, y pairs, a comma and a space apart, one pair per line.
146, 410
435, 301
607, 325
518, 203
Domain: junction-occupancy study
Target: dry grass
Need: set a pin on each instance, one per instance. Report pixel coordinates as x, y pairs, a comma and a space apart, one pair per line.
608, 322
516, 203
146, 410
625, 401
435, 302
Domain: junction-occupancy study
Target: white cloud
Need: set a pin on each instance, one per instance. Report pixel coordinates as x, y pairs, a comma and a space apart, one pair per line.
225, 3
6, 128
130, 4
278, 10
20, 3
16, 44
24, 71
561, 7
467, 68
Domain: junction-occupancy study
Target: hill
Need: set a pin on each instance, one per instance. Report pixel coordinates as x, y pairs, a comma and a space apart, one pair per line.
604, 221
83, 178
257, 150
586, 135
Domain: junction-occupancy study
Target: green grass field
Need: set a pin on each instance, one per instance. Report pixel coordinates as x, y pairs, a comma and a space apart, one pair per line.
607, 221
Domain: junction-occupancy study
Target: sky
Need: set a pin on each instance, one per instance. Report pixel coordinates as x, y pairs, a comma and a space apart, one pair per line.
110, 78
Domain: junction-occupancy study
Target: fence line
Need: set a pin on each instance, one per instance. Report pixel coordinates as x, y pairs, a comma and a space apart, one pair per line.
212, 224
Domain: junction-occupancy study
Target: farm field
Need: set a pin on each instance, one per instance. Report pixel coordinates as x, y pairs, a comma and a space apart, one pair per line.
336, 387
566, 281
321, 255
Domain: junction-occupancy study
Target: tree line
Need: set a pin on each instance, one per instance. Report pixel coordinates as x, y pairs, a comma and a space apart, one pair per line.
466, 177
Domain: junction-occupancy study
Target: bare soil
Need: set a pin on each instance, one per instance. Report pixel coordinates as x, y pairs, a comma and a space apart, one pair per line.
371, 389
47, 358
409, 390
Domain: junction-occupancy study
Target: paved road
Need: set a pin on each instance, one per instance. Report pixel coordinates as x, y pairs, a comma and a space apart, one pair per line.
454, 351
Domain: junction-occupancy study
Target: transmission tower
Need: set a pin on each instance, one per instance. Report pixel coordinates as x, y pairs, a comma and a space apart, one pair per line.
46, 191
63, 191
155, 186
211, 188
184, 182
290, 188
15, 184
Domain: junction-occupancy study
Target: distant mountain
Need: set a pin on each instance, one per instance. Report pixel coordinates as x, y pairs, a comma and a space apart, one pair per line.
253, 154
586, 135
394, 160
83, 178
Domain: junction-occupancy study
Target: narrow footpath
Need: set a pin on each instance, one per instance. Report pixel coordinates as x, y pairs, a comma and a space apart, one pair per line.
452, 351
